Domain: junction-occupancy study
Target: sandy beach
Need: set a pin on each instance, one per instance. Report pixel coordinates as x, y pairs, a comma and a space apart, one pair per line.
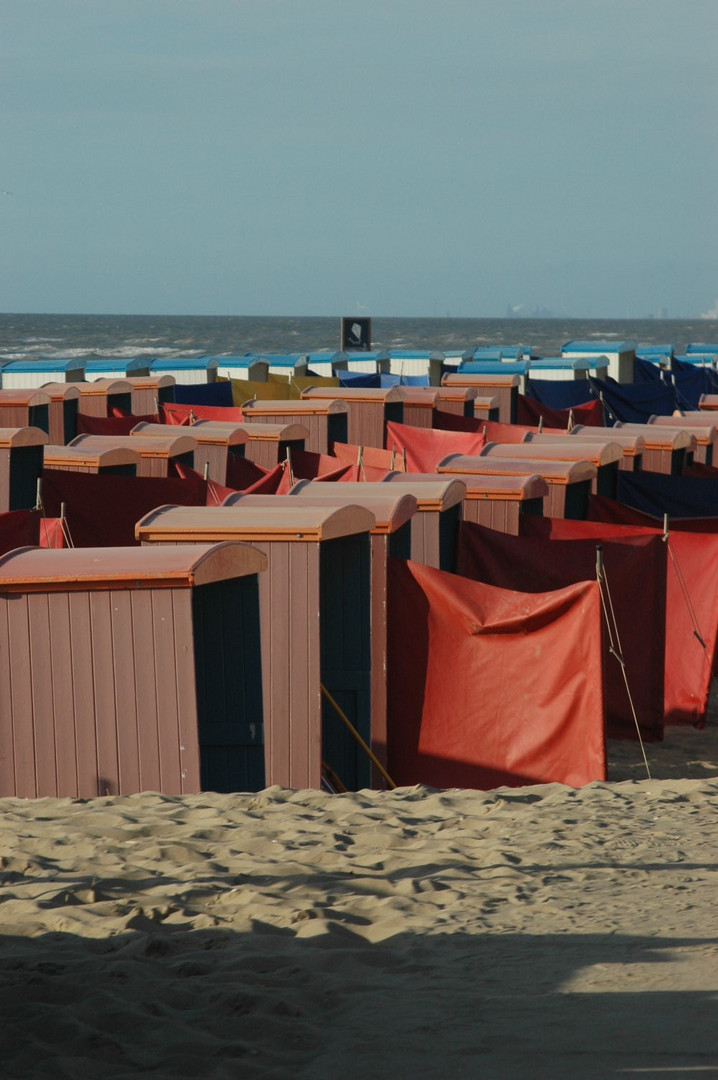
519, 933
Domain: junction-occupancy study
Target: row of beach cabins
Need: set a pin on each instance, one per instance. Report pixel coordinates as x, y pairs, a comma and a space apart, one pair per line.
225, 577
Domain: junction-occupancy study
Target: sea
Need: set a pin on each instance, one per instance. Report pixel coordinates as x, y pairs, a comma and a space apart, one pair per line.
29, 337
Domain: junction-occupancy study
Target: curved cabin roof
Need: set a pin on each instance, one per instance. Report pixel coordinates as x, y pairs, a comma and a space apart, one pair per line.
481, 380
630, 444
459, 393
157, 446
260, 432
557, 448
204, 431
22, 436
29, 396
391, 509
553, 472
660, 438
159, 567
432, 492
357, 393
700, 426
151, 382
310, 406
80, 456
502, 488
61, 391
426, 396
100, 387
297, 522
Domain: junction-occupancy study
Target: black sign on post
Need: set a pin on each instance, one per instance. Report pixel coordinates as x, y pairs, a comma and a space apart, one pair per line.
356, 333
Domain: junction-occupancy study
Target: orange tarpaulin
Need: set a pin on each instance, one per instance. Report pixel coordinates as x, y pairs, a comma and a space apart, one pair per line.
426, 447
489, 686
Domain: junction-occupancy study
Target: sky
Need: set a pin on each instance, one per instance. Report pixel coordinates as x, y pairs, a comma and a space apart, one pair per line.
389, 157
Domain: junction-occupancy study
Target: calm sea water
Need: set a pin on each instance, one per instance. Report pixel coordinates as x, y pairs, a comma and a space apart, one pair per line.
26, 337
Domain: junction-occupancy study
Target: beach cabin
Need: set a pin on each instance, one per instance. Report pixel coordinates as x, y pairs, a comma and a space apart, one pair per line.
107, 461
605, 455
487, 407
458, 400
499, 501
288, 364
369, 410
562, 368
633, 446
428, 363
85, 714
703, 348
20, 466
502, 386
149, 392
569, 482
439, 509
25, 408
62, 411
698, 425
216, 442
25, 374
500, 368
420, 404
101, 397
249, 367
117, 367
326, 364
666, 451
325, 419
367, 362
267, 444
620, 354
314, 604
661, 355
390, 537
708, 402
187, 370
158, 454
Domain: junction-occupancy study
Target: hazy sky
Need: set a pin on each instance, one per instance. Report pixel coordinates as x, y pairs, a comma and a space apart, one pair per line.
392, 157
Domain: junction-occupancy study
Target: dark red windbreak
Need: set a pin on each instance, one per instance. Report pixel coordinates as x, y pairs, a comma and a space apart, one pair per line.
183, 415
19, 528
101, 511
307, 465
447, 421
426, 447
691, 591
121, 424
529, 411
488, 686
245, 475
636, 572
216, 493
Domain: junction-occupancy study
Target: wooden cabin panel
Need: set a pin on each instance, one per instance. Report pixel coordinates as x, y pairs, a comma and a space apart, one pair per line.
186, 691
421, 416
7, 730
108, 768
166, 703
22, 697
39, 616
80, 671
146, 688
125, 691
275, 634
305, 665
63, 712
213, 456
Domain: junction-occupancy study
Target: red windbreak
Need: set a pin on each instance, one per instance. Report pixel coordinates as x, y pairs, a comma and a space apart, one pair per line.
101, 511
529, 411
370, 457
691, 588
473, 700
52, 534
245, 475
426, 447
307, 465
635, 568
19, 528
181, 415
